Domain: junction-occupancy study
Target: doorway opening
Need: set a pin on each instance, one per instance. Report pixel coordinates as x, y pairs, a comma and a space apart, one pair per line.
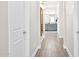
51, 45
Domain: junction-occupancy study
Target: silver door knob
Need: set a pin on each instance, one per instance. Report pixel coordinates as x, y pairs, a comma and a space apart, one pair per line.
24, 32
78, 32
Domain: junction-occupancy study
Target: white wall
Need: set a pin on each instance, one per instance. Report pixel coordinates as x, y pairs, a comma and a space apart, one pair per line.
65, 24
47, 17
4, 29
68, 24
60, 20
34, 26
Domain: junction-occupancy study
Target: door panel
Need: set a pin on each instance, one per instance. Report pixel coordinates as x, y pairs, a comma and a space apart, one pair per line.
17, 15
16, 12
18, 43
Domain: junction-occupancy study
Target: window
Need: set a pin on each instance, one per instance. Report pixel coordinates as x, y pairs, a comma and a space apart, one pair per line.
52, 20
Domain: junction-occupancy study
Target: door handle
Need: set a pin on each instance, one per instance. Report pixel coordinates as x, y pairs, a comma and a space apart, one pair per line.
24, 32
77, 32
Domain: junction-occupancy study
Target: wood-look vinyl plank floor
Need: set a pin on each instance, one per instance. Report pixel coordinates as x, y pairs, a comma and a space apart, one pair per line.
51, 47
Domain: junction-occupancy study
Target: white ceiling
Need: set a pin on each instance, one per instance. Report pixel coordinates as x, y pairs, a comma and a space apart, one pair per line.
51, 3
51, 7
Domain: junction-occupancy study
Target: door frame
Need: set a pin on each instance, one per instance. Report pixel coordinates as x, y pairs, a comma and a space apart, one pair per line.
75, 30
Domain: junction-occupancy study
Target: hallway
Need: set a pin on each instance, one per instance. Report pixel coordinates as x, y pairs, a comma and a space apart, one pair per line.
51, 47
39, 29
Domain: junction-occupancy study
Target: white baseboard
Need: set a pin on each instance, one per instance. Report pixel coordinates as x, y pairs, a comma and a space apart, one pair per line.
38, 47
60, 36
69, 53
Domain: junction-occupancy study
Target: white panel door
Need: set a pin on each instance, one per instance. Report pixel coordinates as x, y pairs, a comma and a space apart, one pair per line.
78, 26
16, 16
76, 29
